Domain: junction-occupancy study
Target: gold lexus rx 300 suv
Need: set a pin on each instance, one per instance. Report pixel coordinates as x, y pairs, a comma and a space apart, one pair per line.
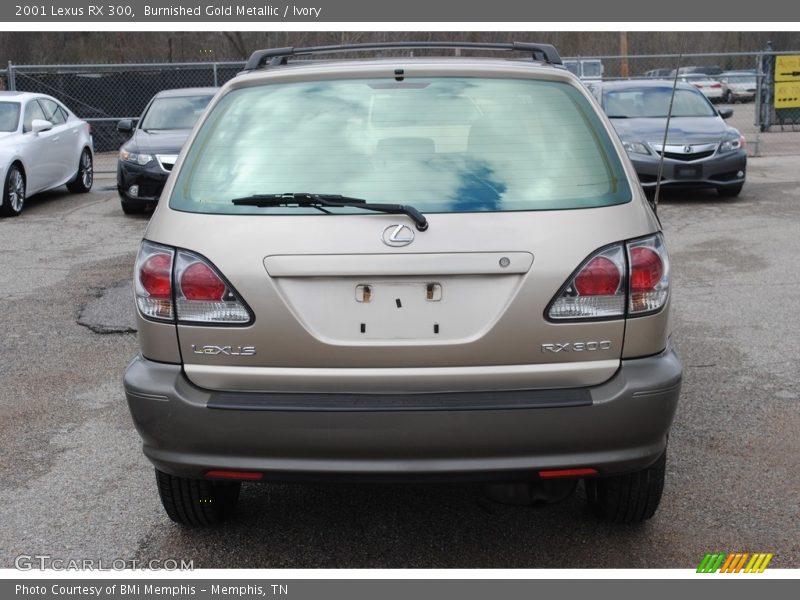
404, 268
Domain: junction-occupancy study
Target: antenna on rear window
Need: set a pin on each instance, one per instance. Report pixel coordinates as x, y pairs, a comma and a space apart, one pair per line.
666, 131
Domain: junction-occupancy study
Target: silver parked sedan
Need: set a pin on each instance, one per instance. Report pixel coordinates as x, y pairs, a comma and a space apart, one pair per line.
701, 150
43, 145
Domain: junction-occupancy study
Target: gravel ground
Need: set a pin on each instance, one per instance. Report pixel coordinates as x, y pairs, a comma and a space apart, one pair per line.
74, 484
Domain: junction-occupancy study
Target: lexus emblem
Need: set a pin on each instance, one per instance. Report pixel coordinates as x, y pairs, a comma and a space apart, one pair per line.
397, 235
687, 149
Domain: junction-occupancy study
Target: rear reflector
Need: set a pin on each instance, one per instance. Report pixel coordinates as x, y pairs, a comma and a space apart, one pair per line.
555, 473
240, 475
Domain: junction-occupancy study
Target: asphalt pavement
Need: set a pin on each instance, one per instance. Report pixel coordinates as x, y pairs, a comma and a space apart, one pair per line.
74, 483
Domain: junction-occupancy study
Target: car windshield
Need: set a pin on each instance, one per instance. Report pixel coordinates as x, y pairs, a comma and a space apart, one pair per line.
174, 113
9, 116
440, 144
653, 103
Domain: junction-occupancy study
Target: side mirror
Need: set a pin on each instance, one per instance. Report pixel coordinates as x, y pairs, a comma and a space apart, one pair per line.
725, 113
39, 125
125, 126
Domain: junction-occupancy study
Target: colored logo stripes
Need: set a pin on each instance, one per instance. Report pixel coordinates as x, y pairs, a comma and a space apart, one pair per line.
735, 562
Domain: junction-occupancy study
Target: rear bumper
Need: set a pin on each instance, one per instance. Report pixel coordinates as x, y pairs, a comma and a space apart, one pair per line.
616, 427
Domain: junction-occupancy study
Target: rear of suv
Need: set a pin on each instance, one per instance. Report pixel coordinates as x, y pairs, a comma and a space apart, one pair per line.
426, 268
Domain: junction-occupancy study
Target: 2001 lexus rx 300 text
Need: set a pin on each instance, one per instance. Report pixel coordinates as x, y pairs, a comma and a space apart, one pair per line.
404, 268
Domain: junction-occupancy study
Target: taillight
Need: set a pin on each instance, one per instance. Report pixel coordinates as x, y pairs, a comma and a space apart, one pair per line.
156, 276
202, 295
199, 282
716, 85
153, 281
609, 282
596, 290
180, 285
600, 277
649, 274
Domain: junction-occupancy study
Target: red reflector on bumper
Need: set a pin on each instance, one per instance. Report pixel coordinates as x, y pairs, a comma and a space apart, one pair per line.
553, 473
246, 475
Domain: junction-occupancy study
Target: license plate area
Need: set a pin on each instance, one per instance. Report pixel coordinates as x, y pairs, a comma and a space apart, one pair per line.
688, 172
437, 309
398, 310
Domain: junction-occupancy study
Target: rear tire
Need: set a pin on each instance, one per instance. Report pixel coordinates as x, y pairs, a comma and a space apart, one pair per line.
197, 502
84, 178
730, 192
630, 498
13, 192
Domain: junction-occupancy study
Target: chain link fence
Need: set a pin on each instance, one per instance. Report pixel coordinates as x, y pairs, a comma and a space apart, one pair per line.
766, 111
105, 94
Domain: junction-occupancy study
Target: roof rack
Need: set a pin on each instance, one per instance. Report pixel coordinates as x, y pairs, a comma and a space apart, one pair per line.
279, 56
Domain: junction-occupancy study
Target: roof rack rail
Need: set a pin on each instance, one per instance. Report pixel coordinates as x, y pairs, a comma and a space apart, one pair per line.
279, 56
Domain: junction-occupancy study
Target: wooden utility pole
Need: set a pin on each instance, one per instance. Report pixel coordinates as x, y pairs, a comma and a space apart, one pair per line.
624, 71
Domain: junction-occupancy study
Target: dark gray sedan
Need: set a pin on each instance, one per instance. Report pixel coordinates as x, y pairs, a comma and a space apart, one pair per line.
146, 159
701, 150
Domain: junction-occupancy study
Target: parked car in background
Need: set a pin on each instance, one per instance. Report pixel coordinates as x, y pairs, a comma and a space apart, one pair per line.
586, 69
740, 86
340, 284
659, 73
701, 151
146, 159
43, 145
710, 88
712, 71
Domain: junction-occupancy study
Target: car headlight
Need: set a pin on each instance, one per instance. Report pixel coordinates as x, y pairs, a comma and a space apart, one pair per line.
133, 157
635, 148
731, 144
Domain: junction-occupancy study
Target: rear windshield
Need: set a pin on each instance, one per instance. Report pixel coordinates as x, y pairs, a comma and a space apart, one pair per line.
439, 144
174, 113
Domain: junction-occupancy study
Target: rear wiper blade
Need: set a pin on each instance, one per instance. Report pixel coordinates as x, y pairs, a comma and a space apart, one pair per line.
331, 200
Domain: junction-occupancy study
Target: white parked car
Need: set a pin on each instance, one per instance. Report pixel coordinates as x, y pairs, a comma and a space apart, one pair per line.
710, 87
43, 145
740, 86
